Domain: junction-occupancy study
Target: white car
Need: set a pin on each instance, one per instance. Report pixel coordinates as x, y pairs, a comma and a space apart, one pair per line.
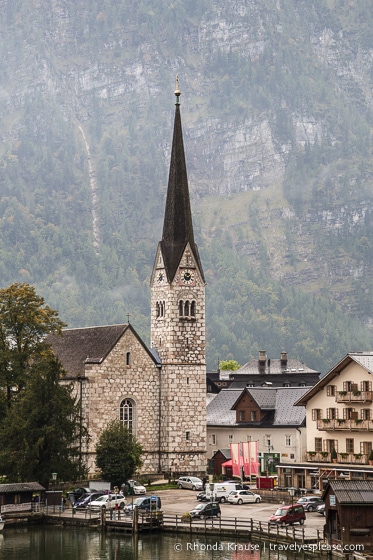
243, 497
190, 482
108, 501
137, 487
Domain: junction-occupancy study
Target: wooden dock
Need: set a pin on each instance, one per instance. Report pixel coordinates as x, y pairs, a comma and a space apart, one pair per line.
230, 527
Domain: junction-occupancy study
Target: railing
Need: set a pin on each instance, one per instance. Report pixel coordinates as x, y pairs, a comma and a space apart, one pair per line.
354, 396
331, 424
244, 527
352, 458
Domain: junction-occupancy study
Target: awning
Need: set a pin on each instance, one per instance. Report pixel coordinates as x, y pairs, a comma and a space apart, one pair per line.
227, 463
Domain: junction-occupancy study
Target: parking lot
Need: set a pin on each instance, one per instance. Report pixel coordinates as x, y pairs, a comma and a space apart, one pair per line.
182, 501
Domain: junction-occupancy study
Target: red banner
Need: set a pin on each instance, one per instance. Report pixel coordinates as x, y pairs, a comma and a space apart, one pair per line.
237, 462
250, 452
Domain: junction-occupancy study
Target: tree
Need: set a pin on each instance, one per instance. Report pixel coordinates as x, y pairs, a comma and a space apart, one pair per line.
40, 433
118, 454
24, 322
231, 365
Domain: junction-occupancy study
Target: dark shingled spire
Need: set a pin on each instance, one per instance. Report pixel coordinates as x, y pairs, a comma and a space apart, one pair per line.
178, 225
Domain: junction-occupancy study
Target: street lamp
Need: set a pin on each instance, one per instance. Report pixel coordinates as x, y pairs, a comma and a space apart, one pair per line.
54, 477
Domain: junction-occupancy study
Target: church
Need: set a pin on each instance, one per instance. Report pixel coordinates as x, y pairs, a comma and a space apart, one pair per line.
159, 393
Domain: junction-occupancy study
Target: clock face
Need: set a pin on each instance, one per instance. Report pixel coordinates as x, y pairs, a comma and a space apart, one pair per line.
160, 277
187, 277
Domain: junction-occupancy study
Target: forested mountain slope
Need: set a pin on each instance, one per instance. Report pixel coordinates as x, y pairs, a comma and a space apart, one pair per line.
277, 117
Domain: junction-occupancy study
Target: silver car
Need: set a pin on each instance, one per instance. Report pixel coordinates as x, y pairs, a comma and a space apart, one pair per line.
190, 482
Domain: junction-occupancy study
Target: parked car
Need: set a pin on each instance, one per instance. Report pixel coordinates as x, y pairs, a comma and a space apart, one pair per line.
190, 482
243, 497
211, 509
201, 496
321, 509
77, 493
145, 503
310, 503
108, 501
137, 487
86, 499
288, 515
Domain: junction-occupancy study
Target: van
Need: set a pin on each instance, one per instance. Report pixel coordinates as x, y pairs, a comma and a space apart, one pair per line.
145, 504
221, 490
288, 515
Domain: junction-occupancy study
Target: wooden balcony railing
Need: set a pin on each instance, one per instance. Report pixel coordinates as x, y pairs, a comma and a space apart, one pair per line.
354, 396
345, 424
325, 457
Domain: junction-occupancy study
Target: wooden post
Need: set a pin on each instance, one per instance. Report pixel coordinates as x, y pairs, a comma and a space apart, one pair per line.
103, 519
135, 525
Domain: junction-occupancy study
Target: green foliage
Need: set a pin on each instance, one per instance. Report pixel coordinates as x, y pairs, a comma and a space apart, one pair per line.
285, 66
41, 431
24, 322
118, 454
231, 365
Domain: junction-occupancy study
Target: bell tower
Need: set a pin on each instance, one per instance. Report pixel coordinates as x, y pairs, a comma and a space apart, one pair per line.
178, 324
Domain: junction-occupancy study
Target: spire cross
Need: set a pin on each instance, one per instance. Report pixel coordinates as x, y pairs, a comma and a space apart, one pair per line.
177, 91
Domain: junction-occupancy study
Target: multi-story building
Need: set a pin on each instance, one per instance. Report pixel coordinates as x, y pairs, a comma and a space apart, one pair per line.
339, 416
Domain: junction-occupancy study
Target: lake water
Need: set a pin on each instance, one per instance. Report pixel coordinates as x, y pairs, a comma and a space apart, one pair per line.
67, 543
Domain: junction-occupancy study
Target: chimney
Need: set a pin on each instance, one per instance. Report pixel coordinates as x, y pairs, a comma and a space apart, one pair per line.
262, 357
284, 359
262, 361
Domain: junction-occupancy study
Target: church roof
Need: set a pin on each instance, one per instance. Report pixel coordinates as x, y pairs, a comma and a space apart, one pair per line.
89, 345
178, 224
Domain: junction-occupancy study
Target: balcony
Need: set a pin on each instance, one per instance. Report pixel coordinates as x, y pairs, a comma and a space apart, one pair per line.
354, 396
342, 458
351, 425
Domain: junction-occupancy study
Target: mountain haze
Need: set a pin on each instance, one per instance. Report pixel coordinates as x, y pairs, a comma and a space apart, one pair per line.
277, 116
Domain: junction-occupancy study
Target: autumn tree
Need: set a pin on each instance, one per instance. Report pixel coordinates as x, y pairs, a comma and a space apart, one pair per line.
25, 320
118, 454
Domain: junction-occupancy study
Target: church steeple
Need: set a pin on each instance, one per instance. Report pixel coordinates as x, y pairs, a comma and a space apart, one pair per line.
178, 224
178, 332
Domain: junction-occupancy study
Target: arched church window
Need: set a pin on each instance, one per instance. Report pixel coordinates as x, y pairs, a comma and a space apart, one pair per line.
160, 308
186, 309
127, 414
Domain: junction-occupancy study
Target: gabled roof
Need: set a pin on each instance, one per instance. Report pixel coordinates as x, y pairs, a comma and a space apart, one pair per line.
225, 452
286, 412
277, 401
273, 366
352, 491
89, 345
20, 487
219, 410
265, 397
364, 359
